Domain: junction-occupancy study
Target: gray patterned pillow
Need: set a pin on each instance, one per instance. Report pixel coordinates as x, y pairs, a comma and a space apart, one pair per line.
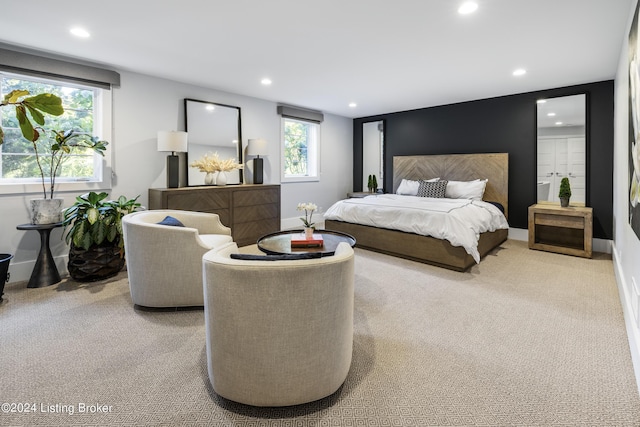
432, 189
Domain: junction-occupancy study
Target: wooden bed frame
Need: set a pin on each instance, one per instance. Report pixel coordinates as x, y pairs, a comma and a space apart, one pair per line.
458, 167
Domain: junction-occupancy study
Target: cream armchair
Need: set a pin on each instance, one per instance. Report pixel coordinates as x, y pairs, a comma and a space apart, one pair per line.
164, 263
278, 333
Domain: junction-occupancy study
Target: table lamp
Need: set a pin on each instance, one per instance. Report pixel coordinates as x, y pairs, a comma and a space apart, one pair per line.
174, 142
257, 147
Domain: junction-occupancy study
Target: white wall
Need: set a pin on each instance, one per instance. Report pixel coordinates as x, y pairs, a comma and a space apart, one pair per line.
143, 105
626, 246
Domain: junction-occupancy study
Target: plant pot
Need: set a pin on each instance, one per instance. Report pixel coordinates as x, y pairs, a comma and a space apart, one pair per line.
5, 259
564, 202
308, 233
96, 263
46, 211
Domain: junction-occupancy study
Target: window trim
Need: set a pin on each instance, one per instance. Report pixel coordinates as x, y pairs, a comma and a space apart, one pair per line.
300, 178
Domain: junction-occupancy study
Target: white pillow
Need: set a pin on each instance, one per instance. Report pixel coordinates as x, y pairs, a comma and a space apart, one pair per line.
466, 189
409, 187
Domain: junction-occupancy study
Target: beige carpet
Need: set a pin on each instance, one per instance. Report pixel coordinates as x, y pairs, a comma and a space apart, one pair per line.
526, 338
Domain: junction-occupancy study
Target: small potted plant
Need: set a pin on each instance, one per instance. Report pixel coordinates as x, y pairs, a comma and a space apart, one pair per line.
309, 226
565, 192
93, 229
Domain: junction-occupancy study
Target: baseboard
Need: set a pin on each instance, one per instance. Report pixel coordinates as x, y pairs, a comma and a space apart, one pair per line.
632, 323
21, 271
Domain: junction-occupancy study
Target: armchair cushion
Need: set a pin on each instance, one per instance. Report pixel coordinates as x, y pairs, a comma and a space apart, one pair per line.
214, 240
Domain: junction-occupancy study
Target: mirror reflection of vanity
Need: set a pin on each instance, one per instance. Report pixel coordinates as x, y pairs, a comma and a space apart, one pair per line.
212, 128
372, 152
561, 147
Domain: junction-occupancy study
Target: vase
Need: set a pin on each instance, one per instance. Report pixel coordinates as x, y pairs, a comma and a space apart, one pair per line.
46, 211
222, 178
210, 178
564, 202
308, 233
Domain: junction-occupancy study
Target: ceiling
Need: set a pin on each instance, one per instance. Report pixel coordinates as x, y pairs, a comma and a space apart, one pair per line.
384, 55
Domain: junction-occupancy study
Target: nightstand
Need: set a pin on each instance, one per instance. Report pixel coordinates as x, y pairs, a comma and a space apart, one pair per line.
562, 230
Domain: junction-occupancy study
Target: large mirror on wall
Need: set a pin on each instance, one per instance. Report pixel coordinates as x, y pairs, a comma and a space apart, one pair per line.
373, 153
212, 128
561, 147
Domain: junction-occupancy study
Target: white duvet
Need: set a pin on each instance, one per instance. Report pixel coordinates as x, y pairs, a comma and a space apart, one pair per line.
460, 221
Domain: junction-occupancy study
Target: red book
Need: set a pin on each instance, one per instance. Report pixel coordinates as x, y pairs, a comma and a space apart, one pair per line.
299, 240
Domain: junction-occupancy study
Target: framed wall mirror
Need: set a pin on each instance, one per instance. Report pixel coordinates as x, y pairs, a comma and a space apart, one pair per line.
562, 147
212, 128
373, 152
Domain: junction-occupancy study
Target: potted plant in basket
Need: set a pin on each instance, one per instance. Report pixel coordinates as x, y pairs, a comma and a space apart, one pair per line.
93, 229
565, 192
51, 147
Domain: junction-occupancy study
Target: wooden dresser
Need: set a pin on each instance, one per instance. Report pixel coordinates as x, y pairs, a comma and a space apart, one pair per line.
250, 210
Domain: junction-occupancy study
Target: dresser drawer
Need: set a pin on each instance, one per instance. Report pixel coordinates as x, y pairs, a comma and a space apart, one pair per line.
201, 201
256, 197
255, 213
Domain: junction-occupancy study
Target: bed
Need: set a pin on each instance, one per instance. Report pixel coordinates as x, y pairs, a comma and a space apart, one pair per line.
494, 167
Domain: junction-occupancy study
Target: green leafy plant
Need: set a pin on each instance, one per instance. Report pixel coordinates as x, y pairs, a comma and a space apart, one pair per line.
374, 183
565, 188
59, 145
37, 106
92, 220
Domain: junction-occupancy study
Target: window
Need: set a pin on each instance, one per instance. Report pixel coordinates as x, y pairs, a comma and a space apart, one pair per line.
300, 150
84, 111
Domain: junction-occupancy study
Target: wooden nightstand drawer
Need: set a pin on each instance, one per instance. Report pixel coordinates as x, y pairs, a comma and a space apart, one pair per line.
560, 220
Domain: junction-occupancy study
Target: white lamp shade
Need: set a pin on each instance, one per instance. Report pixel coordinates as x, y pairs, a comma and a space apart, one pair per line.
174, 141
257, 147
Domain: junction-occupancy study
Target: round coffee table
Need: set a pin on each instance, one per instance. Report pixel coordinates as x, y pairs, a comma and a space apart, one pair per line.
280, 243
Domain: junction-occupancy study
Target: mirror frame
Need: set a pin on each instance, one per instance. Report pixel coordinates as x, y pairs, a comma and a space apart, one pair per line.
239, 149
381, 182
587, 142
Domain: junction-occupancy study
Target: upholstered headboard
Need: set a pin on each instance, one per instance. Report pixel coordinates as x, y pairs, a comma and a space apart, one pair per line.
459, 167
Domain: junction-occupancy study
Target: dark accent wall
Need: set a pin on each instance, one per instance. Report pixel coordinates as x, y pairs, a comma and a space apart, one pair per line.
503, 125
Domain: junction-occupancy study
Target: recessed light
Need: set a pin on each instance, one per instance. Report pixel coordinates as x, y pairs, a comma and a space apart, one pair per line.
467, 7
541, 101
265, 81
353, 105
520, 72
558, 123
79, 32
551, 114
210, 107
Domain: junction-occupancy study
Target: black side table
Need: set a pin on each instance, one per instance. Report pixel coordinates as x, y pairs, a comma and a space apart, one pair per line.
45, 272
